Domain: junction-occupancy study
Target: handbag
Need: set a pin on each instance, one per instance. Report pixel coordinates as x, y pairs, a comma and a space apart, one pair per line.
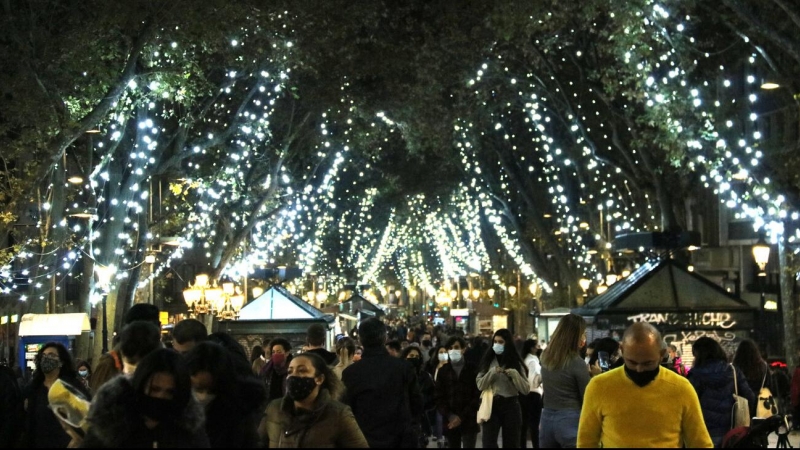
740, 413
485, 411
766, 406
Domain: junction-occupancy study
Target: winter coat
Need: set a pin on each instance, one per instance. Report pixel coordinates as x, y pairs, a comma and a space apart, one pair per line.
11, 413
384, 394
275, 378
114, 422
233, 421
713, 383
330, 425
458, 395
330, 358
42, 428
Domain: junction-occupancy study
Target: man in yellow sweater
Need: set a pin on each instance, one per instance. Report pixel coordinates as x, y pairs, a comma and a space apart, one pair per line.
641, 404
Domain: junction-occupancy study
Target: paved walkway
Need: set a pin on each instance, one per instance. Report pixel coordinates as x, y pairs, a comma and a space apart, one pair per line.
794, 441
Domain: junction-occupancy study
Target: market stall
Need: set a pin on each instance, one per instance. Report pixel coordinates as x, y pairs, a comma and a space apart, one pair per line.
276, 312
35, 330
683, 305
352, 311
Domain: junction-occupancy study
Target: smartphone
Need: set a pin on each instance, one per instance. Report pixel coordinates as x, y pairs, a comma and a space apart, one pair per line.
603, 359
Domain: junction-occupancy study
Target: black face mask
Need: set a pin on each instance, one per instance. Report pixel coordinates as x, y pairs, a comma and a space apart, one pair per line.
426, 343
299, 388
416, 362
159, 409
642, 379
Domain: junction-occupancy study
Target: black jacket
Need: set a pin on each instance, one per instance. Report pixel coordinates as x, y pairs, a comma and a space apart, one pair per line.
233, 422
330, 358
42, 428
458, 395
384, 395
114, 422
11, 413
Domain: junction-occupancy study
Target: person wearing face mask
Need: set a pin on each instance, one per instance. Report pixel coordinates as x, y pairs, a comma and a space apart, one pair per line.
413, 355
457, 396
42, 428
438, 359
345, 352
502, 371
233, 402
310, 414
564, 379
154, 408
84, 373
625, 407
532, 402
274, 371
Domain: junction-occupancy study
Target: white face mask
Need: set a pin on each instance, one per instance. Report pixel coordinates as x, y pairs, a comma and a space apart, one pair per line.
498, 348
587, 359
443, 357
455, 355
204, 398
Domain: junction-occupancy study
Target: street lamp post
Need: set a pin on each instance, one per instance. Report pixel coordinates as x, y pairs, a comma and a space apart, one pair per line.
104, 274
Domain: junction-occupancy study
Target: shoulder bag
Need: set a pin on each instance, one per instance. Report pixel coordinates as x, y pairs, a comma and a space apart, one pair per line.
485, 411
766, 406
740, 414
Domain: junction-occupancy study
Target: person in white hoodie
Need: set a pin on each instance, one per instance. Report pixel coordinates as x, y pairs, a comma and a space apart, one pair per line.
532, 402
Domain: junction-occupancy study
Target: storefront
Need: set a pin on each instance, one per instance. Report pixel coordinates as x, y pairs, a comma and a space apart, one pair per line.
683, 305
276, 312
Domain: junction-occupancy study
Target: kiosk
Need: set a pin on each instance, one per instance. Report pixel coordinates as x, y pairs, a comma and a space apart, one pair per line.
683, 305
35, 330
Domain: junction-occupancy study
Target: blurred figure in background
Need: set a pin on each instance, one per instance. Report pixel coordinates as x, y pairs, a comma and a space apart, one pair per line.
257, 359
84, 373
12, 412
532, 402
346, 352
188, 333
274, 371
233, 403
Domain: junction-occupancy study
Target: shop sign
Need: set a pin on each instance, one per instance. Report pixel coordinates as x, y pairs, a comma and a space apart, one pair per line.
722, 320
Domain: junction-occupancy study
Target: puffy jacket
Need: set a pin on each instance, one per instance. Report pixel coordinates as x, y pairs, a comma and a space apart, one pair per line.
330, 424
713, 382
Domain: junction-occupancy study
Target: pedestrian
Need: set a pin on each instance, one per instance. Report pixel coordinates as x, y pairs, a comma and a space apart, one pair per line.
154, 408
564, 379
110, 364
532, 401
382, 391
457, 396
42, 428
316, 335
713, 380
503, 373
12, 413
84, 373
274, 371
640, 404
233, 402
310, 414
413, 355
756, 371
257, 359
188, 333
345, 352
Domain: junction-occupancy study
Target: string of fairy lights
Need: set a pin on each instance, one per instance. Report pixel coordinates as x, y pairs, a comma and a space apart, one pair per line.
427, 241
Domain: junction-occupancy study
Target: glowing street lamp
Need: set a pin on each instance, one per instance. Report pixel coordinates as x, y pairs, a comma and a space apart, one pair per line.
761, 255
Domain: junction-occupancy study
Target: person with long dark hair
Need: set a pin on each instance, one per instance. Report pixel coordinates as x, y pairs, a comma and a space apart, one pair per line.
713, 379
502, 370
274, 371
152, 409
42, 427
233, 402
748, 359
565, 376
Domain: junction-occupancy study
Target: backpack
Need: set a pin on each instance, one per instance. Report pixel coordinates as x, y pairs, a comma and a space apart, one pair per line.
766, 405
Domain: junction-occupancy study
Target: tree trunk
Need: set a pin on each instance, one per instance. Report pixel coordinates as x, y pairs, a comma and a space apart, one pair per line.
787, 277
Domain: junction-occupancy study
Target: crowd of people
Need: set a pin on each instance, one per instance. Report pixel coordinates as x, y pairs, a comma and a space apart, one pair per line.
386, 385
